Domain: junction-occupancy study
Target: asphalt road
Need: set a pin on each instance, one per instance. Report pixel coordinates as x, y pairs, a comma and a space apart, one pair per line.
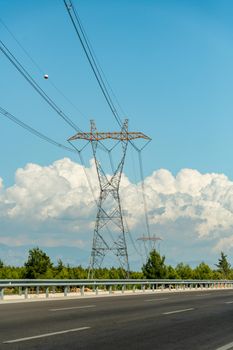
197, 320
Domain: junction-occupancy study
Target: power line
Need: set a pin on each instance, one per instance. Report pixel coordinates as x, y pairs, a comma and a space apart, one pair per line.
100, 79
137, 191
27, 76
34, 131
54, 143
96, 61
39, 67
35, 85
144, 195
90, 56
38, 89
96, 70
57, 144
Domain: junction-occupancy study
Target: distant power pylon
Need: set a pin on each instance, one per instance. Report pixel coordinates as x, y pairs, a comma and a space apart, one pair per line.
109, 219
152, 239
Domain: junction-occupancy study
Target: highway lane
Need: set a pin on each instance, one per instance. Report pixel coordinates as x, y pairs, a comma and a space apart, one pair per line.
196, 320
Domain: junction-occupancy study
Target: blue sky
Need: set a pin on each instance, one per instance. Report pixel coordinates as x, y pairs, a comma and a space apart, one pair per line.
169, 64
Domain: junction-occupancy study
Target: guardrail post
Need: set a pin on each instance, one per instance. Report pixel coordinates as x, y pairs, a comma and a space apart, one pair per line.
47, 292
82, 291
96, 290
123, 289
143, 288
26, 292
54, 289
153, 287
134, 289
20, 290
2, 293
65, 291
37, 290
110, 289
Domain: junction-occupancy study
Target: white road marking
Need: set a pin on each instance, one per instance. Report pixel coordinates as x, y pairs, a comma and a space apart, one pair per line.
45, 335
177, 311
226, 347
201, 295
156, 299
72, 308
229, 302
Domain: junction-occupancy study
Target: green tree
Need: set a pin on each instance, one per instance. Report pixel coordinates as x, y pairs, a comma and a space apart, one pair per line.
202, 272
171, 273
38, 264
11, 272
155, 266
184, 271
80, 272
224, 266
1, 264
136, 275
60, 266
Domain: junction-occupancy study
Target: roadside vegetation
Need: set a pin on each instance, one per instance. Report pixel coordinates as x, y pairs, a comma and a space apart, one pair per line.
39, 265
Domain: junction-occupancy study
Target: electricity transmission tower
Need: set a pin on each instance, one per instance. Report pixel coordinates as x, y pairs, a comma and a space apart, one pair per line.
150, 239
109, 218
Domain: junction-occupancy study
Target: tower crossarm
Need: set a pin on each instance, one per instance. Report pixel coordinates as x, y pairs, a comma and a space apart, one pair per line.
98, 136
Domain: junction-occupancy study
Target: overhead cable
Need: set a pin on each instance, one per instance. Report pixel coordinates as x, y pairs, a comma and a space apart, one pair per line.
143, 194
100, 79
39, 68
90, 56
38, 89
35, 85
34, 131
97, 64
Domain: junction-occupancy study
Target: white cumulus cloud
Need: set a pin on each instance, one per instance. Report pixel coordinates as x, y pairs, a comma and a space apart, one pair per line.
53, 205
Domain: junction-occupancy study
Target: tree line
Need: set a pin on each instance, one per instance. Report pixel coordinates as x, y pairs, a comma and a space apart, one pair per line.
40, 266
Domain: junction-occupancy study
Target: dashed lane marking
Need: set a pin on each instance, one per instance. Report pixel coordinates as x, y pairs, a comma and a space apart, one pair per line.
72, 308
226, 347
160, 299
45, 335
177, 311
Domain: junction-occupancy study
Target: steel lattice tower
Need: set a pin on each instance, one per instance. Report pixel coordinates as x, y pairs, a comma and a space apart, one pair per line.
109, 215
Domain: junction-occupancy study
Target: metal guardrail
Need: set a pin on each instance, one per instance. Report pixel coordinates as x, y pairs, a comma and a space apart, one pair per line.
24, 286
